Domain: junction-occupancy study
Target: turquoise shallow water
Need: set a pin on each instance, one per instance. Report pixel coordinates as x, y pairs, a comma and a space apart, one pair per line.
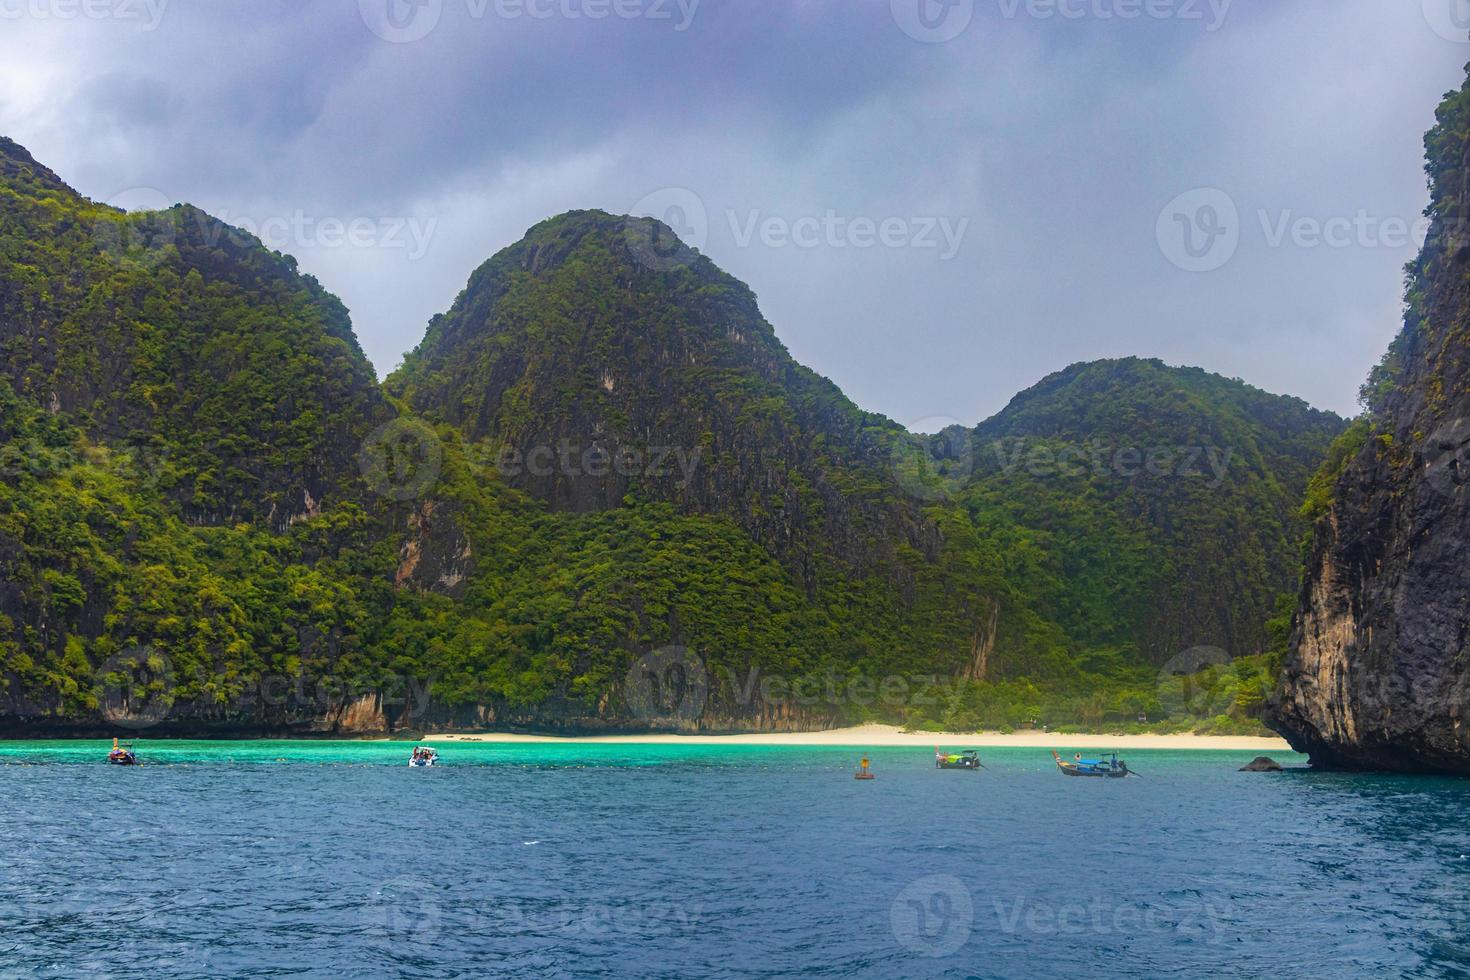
335, 859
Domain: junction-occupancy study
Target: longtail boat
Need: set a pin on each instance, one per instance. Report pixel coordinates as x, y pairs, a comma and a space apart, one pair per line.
968, 759
122, 755
1109, 768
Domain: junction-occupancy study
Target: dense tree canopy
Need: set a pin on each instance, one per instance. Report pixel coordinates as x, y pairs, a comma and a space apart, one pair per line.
210, 504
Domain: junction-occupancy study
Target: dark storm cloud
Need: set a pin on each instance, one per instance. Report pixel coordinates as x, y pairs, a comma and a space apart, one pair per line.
1017, 172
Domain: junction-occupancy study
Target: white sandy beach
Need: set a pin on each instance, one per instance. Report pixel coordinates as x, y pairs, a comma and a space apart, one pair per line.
887, 736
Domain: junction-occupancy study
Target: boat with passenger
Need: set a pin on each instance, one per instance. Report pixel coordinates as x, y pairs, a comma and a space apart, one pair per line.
423, 758
122, 755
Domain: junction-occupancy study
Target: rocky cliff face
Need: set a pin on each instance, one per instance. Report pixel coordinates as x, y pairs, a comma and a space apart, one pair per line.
1378, 675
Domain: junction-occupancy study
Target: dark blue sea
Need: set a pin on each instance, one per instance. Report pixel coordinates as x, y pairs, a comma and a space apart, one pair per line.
292, 859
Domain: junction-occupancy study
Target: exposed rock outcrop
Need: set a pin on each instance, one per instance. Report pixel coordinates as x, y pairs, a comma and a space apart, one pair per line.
1261, 764
1378, 674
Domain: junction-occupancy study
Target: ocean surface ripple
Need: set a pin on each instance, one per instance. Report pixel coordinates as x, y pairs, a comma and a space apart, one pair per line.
316, 859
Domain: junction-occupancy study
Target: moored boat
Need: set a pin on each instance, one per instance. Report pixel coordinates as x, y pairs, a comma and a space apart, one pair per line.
1109, 768
122, 755
968, 759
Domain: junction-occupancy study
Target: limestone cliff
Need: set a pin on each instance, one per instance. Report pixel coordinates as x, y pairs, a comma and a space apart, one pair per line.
1378, 673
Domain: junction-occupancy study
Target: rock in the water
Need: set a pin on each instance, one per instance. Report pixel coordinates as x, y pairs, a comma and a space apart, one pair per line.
1262, 763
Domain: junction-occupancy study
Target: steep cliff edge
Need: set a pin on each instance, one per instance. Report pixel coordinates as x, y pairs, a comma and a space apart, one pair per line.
1378, 673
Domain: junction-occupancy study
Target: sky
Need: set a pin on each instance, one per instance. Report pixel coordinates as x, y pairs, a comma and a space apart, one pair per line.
938, 202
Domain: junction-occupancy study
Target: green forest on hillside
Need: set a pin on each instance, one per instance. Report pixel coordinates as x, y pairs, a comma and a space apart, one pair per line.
191, 508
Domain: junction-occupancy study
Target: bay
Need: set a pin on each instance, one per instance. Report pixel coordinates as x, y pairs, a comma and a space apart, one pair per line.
326, 859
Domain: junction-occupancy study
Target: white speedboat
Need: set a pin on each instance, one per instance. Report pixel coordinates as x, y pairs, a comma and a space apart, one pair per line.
423, 758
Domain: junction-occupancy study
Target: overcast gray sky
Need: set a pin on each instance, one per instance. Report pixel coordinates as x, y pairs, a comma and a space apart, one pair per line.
937, 201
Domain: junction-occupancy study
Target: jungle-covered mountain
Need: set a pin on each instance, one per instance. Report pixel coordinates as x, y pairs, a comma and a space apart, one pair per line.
1148, 509
599, 494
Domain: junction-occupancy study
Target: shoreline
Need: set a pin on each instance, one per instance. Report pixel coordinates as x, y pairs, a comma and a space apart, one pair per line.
890, 736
